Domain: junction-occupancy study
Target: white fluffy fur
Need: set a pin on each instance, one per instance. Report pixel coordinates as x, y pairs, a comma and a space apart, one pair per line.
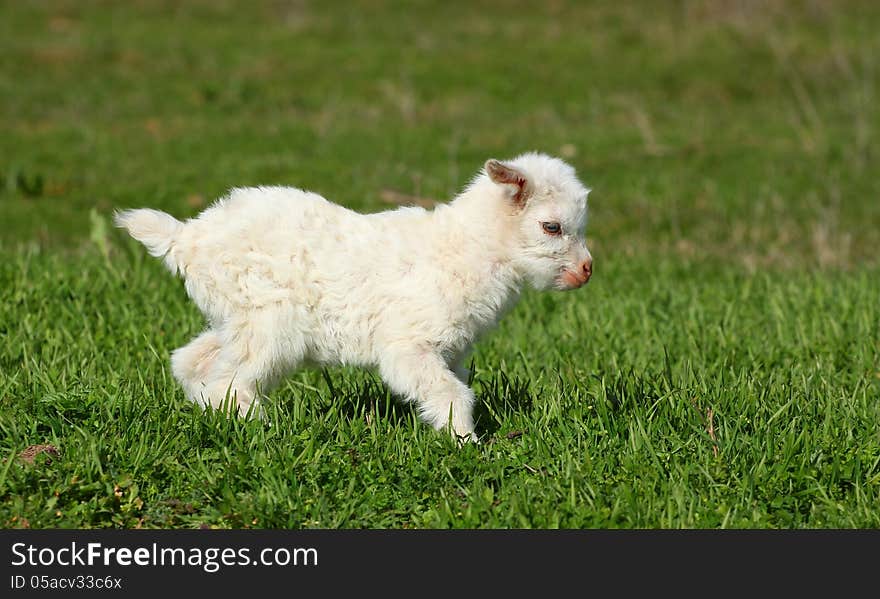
286, 277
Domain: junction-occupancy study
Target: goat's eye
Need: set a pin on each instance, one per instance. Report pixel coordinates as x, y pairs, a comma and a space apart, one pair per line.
551, 228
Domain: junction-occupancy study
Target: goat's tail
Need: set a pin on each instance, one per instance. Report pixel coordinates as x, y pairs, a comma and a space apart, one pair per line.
157, 230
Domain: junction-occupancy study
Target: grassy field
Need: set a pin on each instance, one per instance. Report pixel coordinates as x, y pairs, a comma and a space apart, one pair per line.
722, 368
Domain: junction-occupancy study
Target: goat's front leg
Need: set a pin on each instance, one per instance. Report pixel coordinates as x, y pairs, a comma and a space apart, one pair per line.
458, 367
422, 376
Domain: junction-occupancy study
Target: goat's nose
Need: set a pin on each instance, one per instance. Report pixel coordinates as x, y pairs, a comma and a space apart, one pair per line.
587, 267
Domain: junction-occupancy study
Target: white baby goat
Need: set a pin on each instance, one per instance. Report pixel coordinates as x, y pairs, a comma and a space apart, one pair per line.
285, 277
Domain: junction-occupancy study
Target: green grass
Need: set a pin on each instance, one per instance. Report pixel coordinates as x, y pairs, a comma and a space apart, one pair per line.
722, 369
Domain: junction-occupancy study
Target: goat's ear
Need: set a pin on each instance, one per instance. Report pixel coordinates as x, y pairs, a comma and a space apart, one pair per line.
515, 179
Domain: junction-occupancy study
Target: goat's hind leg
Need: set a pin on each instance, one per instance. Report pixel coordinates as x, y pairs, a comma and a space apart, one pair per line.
213, 373
193, 364
251, 359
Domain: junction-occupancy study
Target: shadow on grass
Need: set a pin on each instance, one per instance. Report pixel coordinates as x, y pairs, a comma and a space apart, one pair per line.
364, 396
348, 395
498, 399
